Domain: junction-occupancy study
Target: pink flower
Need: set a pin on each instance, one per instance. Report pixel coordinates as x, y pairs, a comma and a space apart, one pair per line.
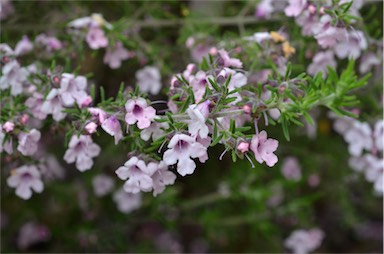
291, 169
198, 83
378, 135
354, 43
50, 43
137, 174
112, 126
96, 38
327, 35
31, 234
28, 142
81, 150
368, 60
181, 149
264, 9
161, 178
198, 115
295, 7
90, 127
53, 105
102, 185
313, 180
225, 61
309, 23
138, 111
86, 101
72, 89
8, 126
243, 147
114, 56
263, 148
34, 103
321, 62
6, 8
304, 241
25, 179
127, 202
23, 47
98, 114
149, 80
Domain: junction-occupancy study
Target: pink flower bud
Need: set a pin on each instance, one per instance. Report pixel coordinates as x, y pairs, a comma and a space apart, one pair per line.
322, 11
312, 9
56, 80
247, 109
24, 119
190, 42
91, 127
8, 126
243, 147
86, 101
213, 51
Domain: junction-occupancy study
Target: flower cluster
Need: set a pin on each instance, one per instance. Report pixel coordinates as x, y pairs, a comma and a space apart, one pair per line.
365, 145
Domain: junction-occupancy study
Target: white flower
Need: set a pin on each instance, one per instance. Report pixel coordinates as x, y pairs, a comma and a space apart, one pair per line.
181, 149
303, 241
52, 105
81, 150
359, 138
13, 77
28, 142
102, 185
197, 126
378, 134
127, 202
149, 79
137, 174
72, 89
161, 178
24, 179
155, 130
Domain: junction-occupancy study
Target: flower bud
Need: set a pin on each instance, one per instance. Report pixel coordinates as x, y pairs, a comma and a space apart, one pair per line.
90, 127
247, 109
24, 119
243, 147
8, 126
312, 9
86, 101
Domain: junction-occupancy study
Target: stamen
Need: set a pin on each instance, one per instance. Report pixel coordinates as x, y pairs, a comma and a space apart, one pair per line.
249, 159
222, 154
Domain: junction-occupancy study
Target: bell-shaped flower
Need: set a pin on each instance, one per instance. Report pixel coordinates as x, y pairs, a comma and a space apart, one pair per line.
226, 61
198, 115
155, 130
127, 202
321, 62
102, 185
13, 76
72, 89
81, 150
137, 175
28, 142
138, 111
181, 149
295, 7
35, 103
149, 80
24, 46
96, 38
354, 43
162, 177
112, 126
359, 137
114, 56
53, 105
25, 179
263, 148
98, 115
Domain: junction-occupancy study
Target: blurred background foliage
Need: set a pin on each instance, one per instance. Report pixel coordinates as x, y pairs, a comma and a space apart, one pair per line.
223, 206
